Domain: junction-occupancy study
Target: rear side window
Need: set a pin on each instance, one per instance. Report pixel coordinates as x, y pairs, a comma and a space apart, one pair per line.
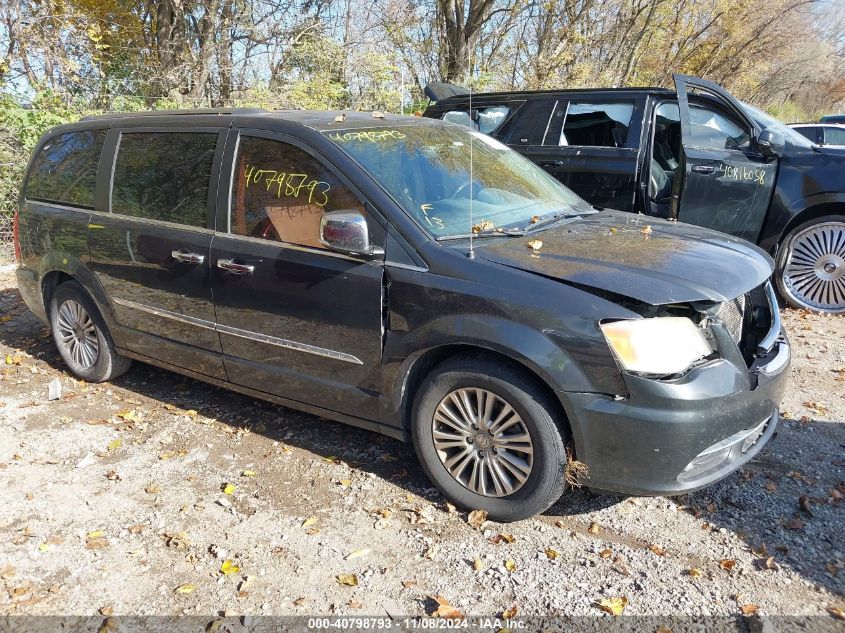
65, 169
834, 136
164, 176
591, 124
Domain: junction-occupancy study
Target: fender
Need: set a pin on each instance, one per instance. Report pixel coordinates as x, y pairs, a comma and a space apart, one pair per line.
63, 262
536, 350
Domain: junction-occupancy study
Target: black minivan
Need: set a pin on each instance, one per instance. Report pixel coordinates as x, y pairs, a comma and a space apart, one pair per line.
696, 154
411, 277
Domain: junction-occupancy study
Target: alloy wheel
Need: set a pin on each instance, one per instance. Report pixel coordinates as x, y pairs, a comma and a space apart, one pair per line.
78, 334
814, 275
482, 442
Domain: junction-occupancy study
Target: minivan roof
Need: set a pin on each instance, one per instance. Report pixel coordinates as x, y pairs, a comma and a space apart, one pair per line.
319, 120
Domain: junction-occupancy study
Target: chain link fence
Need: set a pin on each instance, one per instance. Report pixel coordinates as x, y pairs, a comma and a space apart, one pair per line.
7, 249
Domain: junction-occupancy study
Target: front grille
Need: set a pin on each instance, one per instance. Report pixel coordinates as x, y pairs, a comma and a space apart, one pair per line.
732, 314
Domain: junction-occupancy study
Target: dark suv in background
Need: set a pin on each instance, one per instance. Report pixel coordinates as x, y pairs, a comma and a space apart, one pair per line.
321, 260
695, 154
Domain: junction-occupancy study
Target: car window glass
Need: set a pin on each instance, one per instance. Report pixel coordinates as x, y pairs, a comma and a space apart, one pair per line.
713, 130
65, 169
489, 118
164, 176
834, 136
596, 124
811, 133
281, 192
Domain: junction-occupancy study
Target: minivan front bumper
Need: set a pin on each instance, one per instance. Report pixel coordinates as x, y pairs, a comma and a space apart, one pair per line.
669, 437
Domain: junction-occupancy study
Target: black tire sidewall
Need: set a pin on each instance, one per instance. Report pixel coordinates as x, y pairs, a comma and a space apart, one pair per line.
545, 484
106, 354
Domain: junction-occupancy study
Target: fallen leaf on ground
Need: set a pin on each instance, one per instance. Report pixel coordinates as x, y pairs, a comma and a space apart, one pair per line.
613, 606
794, 524
836, 612
594, 528
409, 583
646, 230
357, 553
476, 518
179, 540
693, 572
114, 444
804, 504
760, 551
749, 609
478, 564
248, 473
309, 521
727, 564
499, 538
350, 580
510, 565
657, 550
94, 534
229, 489
551, 554
299, 602
816, 407
228, 567
509, 614
152, 489
188, 587
445, 610
606, 553
130, 415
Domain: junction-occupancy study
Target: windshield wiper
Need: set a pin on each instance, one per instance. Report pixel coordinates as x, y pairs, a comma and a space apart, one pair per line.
545, 223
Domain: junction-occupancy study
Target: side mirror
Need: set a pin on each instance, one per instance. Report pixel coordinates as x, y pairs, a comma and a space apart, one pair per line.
770, 143
347, 232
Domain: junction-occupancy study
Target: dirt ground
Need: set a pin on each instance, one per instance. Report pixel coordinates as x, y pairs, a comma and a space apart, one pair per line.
158, 494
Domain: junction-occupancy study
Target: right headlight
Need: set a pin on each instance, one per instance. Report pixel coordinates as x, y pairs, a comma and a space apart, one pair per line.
658, 345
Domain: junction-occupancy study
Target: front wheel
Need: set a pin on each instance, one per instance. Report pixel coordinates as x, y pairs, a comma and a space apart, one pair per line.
811, 266
485, 435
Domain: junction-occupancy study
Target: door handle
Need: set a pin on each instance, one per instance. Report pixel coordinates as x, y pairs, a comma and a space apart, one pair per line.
703, 169
236, 269
188, 258
552, 163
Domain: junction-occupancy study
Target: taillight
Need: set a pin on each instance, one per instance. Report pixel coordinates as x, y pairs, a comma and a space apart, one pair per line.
16, 235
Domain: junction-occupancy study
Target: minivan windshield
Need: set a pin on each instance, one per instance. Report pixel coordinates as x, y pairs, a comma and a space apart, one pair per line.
437, 172
768, 121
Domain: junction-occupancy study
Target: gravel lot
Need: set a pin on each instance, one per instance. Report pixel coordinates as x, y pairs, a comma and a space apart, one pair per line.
158, 494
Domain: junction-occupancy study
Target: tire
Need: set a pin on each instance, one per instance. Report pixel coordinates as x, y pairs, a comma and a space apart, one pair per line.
81, 335
499, 384
811, 266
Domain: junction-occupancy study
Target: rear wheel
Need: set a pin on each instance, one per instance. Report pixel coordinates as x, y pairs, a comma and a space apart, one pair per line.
485, 435
811, 266
81, 336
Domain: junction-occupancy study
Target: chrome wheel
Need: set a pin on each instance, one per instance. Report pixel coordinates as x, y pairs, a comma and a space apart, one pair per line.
78, 334
814, 275
483, 442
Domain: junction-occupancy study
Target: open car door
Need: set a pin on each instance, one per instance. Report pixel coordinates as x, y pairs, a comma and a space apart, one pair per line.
729, 169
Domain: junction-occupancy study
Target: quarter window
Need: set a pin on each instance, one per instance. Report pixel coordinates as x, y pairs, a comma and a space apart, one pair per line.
65, 170
590, 124
164, 176
281, 192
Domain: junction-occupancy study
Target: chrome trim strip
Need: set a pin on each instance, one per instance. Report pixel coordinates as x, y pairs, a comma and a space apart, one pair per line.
296, 247
280, 342
776, 365
774, 332
167, 314
245, 334
416, 269
56, 205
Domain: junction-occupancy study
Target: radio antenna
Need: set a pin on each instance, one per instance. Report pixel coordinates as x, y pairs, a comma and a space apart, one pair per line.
471, 253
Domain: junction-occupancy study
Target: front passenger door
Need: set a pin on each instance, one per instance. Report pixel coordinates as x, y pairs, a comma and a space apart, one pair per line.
295, 319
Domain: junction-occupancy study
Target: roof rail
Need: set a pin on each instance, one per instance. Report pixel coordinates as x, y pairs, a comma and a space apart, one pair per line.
155, 113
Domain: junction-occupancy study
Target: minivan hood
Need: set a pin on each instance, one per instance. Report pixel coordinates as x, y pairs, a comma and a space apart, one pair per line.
644, 258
